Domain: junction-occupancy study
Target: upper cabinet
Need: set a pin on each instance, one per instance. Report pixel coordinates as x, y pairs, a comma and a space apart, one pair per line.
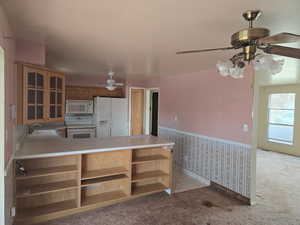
41, 95
56, 97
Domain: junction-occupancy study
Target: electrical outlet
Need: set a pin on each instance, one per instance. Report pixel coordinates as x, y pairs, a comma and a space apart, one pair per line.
13, 211
245, 127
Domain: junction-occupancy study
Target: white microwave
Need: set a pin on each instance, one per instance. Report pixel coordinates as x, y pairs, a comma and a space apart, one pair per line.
79, 106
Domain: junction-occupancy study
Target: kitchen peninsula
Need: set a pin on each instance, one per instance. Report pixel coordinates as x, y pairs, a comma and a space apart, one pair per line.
65, 176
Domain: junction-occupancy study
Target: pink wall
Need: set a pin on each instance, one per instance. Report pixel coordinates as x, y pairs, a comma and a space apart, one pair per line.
206, 103
21, 50
10, 78
30, 52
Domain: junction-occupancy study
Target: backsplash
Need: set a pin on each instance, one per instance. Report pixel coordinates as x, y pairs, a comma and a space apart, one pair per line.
224, 162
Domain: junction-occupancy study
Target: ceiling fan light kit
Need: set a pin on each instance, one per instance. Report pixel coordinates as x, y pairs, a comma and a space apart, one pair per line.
253, 41
111, 84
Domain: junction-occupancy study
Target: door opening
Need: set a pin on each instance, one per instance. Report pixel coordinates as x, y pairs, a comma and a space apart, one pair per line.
154, 113
279, 119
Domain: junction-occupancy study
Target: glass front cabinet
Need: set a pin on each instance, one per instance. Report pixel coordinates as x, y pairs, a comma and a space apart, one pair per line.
41, 95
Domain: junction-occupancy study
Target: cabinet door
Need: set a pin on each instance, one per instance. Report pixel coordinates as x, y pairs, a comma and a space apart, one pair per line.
56, 107
35, 89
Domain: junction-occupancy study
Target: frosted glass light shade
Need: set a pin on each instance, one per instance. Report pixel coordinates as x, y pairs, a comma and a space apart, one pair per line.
224, 67
268, 63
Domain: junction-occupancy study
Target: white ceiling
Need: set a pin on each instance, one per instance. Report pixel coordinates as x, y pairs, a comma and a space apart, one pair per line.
140, 37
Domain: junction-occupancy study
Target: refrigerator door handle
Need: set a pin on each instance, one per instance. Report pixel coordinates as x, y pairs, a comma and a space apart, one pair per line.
103, 122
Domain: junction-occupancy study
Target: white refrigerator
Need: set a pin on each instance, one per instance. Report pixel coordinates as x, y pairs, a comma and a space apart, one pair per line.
111, 116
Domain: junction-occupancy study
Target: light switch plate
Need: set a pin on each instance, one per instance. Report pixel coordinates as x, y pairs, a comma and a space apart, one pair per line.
13, 211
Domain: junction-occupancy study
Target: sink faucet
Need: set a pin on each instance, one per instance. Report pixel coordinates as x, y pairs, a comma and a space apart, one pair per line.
33, 126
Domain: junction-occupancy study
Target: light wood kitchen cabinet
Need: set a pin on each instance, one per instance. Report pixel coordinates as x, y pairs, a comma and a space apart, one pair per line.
58, 186
41, 95
88, 93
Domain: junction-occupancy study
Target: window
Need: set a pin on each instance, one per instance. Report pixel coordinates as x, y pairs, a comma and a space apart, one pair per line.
281, 110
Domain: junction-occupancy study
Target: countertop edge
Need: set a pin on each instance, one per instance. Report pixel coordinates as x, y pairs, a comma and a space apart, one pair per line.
86, 151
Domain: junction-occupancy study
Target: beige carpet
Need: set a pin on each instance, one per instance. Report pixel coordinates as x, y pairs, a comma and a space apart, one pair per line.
278, 185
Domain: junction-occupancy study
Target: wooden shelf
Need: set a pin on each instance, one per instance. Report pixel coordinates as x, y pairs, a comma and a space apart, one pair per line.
103, 173
148, 189
89, 182
48, 171
46, 188
148, 175
102, 198
46, 209
150, 158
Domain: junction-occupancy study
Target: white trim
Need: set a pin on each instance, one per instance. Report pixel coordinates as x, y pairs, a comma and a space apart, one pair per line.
254, 134
129, 108
207, 137
8, 165
2, 136
196, 176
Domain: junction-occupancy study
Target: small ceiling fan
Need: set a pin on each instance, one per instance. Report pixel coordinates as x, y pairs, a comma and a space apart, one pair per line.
111, 84
251, 39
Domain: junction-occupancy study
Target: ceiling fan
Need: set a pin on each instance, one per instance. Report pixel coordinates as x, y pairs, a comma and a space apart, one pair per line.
251, 39
111, 84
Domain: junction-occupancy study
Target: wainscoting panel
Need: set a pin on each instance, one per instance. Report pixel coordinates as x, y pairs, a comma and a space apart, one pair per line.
224, 162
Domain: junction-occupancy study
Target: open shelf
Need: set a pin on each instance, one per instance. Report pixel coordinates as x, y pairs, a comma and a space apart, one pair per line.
46, 209
148, 175
103, 197
85, 183
47, 171
46, 188
148, 189
150, 158
103, 173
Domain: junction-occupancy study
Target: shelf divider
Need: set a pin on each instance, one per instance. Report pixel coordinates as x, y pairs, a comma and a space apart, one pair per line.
103, 197
46, 188
46, 209
93, 181
148, 175
48, 171
148, 189
146, 159
103, 173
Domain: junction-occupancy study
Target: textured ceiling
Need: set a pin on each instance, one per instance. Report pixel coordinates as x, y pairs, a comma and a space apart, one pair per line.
140, 37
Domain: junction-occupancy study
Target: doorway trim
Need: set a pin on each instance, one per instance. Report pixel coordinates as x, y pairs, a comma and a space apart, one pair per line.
129, 108
2, 135
148, 110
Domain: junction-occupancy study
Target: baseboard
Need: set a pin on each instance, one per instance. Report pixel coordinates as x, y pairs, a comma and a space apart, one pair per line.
196, 176
230, 193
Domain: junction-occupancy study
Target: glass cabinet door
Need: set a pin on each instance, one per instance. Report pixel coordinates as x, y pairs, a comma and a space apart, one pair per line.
56, 107
35, 89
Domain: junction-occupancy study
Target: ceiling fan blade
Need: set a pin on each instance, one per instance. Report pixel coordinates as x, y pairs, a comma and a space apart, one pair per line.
119, 84
204, 50
279, 39
283, 51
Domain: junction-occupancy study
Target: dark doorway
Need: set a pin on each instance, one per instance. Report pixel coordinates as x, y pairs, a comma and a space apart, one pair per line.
154, 113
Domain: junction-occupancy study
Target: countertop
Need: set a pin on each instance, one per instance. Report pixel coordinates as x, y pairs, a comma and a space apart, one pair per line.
49, 146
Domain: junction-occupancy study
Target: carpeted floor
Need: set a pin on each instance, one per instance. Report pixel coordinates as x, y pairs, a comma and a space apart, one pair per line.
278, 203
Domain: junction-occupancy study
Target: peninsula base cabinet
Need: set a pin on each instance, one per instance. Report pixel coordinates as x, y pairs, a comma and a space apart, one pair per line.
58, 186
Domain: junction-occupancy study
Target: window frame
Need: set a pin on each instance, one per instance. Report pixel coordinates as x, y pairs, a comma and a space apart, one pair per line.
274, 140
